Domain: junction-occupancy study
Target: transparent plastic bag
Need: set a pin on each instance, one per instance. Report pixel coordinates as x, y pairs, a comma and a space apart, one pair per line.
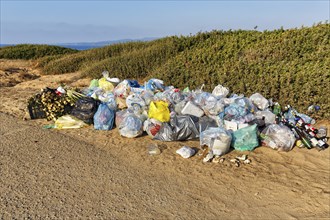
269, 116
135, 99
209, 103
219, 91
278, 137
104, 117
261, 102
123, 89
131, 126
152, 126
217, 139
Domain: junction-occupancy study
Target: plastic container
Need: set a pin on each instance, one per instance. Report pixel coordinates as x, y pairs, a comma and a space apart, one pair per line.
191, 109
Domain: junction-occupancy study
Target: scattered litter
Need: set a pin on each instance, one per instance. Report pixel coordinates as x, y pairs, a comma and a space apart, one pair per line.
153, 149
186, 152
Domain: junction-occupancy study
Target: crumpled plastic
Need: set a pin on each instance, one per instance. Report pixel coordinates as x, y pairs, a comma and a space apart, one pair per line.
238, 110
269, 116
134, 99
85, 109
220, 91
105, 85
209, 103
261, 102
68, 122
123, 89
179, 128
278, 137
155, 85
159, 110
152, 126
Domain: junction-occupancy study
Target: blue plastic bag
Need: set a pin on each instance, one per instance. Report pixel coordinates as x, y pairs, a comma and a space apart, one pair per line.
245, 138
104, 117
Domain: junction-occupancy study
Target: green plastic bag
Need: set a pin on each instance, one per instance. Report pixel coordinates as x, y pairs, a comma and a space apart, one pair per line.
94, 83
245, 138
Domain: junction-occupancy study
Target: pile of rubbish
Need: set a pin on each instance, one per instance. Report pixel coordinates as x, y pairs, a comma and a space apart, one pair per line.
219, 120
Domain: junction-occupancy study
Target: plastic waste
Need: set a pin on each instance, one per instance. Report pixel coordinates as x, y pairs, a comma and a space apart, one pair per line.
179, 106
133, 83
85, 109
261, 102
121, 103
245, 138
219, 91
131, 126
269, 117
153, 149
155, 85
209, 103
106, 97
180, 128
313, 108
306, 118
237, 110
134, 99
152, 126
123, 89
217, 139
68, 121
104, 117
278, 137
191, 109
206, 122
159, 110
186, 152
94, 84
105, 85
120, 115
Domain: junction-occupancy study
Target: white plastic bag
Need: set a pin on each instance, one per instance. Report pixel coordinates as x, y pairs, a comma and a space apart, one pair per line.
186, 152
261, 102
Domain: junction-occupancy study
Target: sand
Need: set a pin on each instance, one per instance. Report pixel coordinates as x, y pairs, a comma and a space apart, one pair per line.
84, 173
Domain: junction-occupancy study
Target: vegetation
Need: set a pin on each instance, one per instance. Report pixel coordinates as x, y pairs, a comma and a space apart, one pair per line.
290, 66
30, 51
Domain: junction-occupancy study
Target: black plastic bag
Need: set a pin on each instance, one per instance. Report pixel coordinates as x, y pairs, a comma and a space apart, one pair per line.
180, 128
85, 109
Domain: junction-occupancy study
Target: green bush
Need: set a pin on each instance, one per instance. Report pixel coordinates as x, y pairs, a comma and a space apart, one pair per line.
32, 51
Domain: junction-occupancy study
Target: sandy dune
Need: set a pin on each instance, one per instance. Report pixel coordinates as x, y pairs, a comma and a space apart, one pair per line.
85, 173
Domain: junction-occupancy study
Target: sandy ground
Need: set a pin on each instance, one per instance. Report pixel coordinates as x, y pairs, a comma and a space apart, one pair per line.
84, 173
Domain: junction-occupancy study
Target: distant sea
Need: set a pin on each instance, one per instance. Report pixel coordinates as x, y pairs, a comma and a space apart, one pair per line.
86, 45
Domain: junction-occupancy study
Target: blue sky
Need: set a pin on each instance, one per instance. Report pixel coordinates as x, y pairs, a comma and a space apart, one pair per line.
91, 21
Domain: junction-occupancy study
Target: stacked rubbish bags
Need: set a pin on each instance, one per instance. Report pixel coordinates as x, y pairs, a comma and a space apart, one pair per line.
219, 120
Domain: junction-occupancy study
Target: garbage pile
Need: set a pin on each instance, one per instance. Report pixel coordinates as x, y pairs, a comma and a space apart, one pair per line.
219, 120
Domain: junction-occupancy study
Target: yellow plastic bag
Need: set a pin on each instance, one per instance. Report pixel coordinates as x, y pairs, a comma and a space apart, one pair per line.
159, 110
69, 121
105, 85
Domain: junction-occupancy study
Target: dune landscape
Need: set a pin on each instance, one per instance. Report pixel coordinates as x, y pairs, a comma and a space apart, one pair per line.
85, 173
